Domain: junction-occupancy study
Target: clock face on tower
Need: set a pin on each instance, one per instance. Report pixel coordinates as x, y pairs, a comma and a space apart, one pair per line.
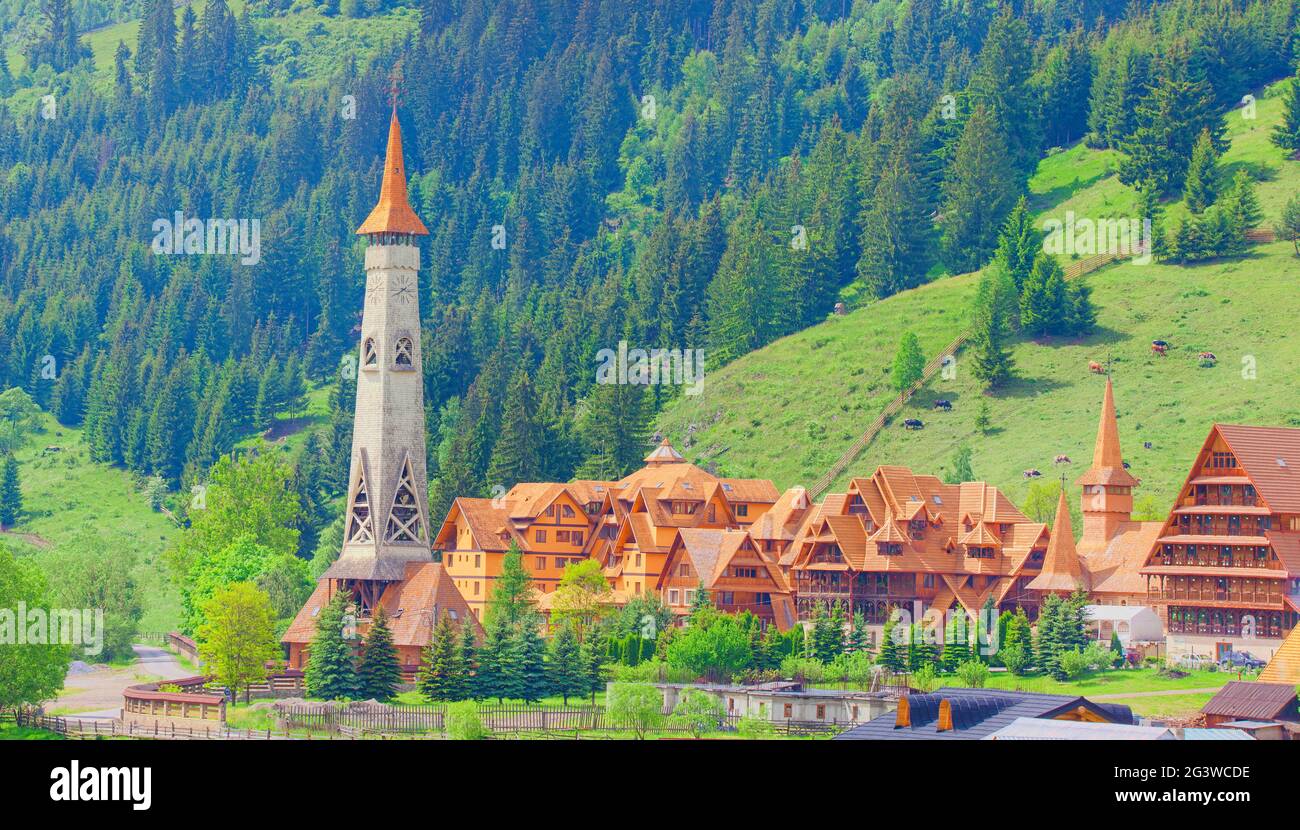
404, 289
374, 286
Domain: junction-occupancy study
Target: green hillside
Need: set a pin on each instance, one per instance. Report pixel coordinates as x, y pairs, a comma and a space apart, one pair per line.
788, 411
66, 496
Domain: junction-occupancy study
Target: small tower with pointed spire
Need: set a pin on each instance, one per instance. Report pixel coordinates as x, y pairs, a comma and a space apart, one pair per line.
1107, 486
1063, 571
386, 524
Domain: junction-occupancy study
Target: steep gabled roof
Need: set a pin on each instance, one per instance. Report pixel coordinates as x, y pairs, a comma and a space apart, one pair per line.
1285, 665
1270, 456
1107, 457
1257, 700
665, 453
1062, 571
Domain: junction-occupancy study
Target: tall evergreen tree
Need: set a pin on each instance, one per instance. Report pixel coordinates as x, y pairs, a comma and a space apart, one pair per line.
565, 672
439, 678
991, 359
512, 596
11, 494
1286, 133
980, 188
517, 455
379, 673
1201, 186
331, 672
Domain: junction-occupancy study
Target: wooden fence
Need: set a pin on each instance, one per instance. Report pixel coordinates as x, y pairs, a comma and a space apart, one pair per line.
505, 720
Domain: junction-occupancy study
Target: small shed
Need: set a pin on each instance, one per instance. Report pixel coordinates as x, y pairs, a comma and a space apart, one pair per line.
1194, 733
1133, 623
1259, 730
1243, 700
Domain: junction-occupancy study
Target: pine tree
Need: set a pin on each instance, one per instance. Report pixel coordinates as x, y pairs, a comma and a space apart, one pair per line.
467, 687
980, 188
896, 232
1201, 188
438, 680
530, 661
857, 637
331, 673
1286, 134
892, 654
1170, 117
921, 652
593, 668
494, 661
701, 603
1019, 244
1045, 304
379, 673
983, 419
1241, 202
512, 596
961, 466
11, 496
517, 455
991, 359
564, 667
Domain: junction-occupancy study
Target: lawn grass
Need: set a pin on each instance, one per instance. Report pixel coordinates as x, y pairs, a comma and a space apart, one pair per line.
13, 732
1111, 682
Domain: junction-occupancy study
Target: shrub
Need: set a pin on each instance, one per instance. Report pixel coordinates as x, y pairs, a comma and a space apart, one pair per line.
700, 712
754, 728
973, 673
1073, 663
462, 723
925, 679
634, 706
1016, 659
809, 669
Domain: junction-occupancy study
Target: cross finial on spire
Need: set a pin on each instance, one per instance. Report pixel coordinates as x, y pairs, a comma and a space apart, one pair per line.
394, 78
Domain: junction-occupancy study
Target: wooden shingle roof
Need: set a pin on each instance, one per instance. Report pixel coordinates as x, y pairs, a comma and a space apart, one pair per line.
1285, 665
1271, 457
1244, 700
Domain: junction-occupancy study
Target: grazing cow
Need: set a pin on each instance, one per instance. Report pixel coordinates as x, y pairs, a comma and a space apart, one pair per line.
945, 405
1206, 359
1095, 368
1031, 474
1126, 465
1159, 347
1146, 445
1063, 459
913, 423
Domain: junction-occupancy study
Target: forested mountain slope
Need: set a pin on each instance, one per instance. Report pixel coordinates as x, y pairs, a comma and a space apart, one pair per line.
678, 174
788, 410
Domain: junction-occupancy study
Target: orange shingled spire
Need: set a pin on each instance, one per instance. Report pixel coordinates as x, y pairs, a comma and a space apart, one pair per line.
1107, 458
1062, 570
393, 214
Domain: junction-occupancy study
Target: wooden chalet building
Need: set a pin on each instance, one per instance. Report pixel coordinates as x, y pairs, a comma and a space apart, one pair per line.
897, 538
730, 566
651, 505
552, 525
1228, 556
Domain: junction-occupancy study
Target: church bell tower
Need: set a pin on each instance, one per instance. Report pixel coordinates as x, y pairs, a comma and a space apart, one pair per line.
386, 521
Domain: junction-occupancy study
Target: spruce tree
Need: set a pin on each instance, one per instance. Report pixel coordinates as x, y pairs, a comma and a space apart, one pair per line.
857, 637
1019, 244
896, 232
438, 679
564, 668
467, 688
1200, 188
1045, 306
593, 668
517, 455
893, 655
11, 495
331, 673
529, 668
1241, 203
990, 356
1178, 107
981, 186
512, 596
1286, 134
495, 662
379, 673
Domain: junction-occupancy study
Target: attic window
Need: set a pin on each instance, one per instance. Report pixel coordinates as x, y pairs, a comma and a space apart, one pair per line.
1281, 462
452, 614
686, 485
726, 486
937, 499
315, 610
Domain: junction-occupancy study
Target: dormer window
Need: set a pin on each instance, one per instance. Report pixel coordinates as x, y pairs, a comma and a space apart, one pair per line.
369, 355
889, 548
405, 352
